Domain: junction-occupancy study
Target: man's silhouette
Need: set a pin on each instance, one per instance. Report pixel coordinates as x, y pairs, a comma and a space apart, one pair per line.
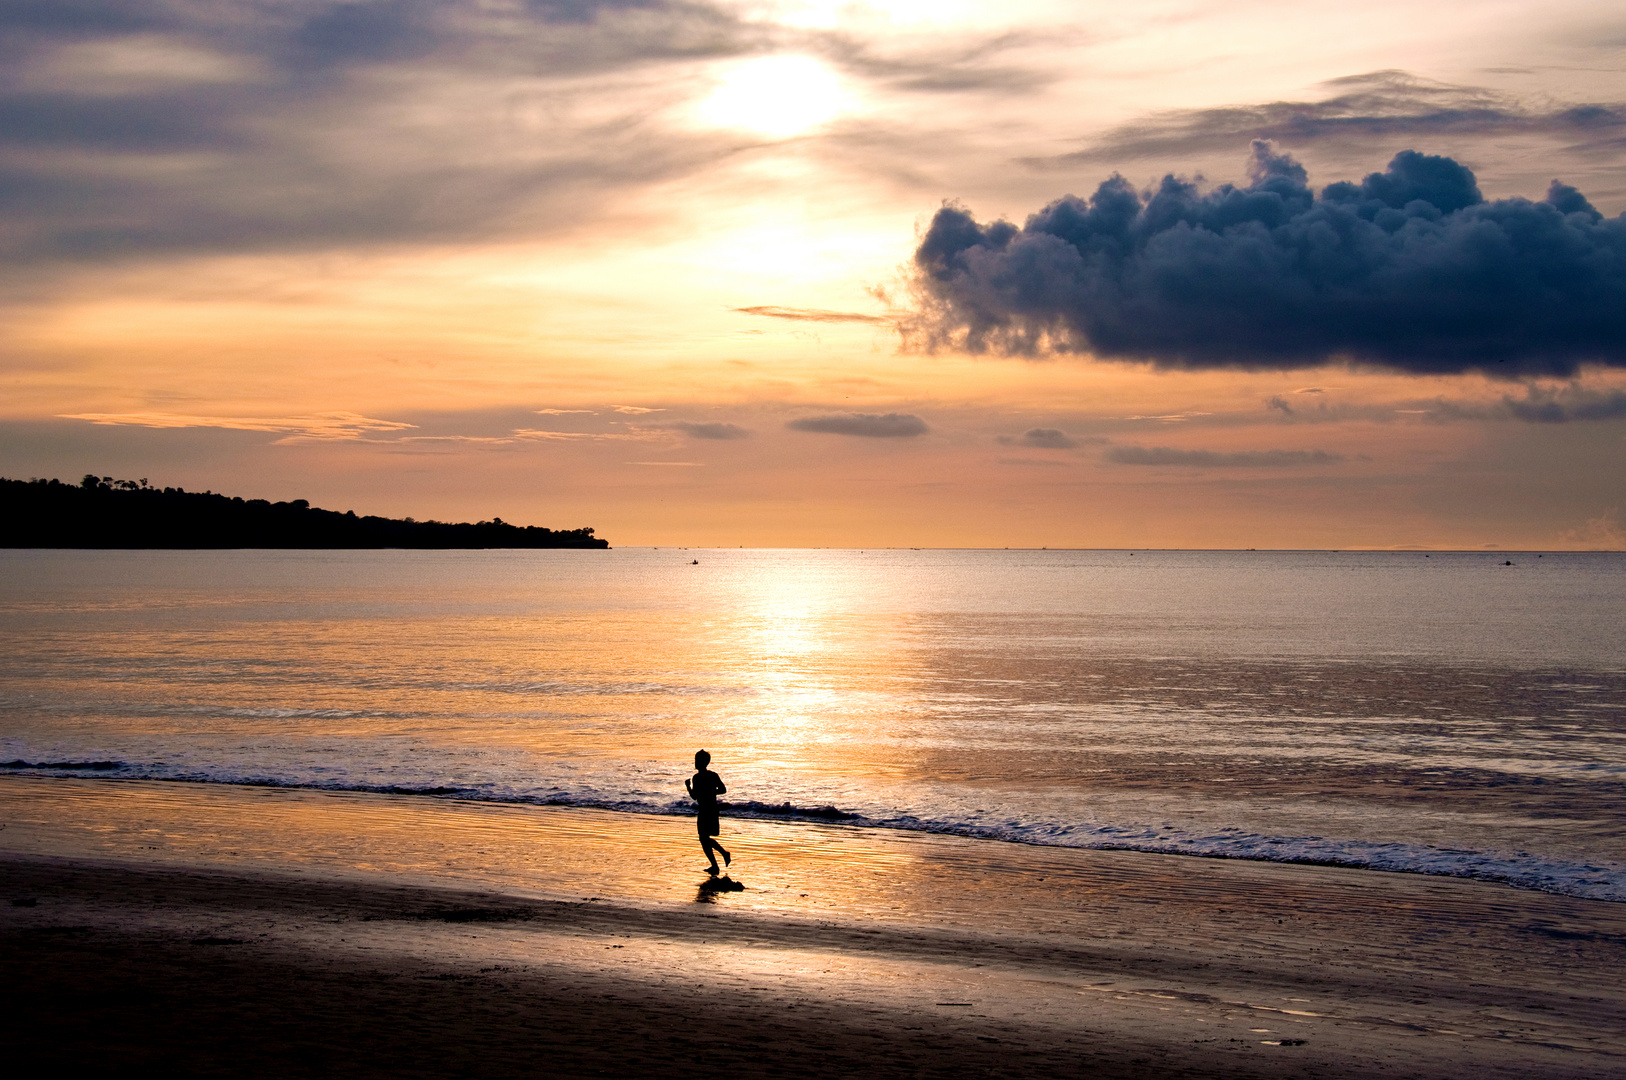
703, 788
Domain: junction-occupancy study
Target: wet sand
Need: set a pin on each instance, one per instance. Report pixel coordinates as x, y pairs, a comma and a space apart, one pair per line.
241, 931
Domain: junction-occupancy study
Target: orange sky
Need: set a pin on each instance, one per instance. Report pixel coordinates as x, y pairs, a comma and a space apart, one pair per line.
466, 260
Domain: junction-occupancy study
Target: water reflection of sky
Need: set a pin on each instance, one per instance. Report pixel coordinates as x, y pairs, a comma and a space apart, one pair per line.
1029, 694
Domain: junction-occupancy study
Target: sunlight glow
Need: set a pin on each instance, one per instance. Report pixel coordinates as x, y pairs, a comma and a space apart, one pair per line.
776, 96
828, 14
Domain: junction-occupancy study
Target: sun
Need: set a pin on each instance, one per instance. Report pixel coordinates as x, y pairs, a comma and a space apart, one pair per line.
776, 96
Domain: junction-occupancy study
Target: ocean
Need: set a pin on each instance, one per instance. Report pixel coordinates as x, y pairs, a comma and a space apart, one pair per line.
1443, 713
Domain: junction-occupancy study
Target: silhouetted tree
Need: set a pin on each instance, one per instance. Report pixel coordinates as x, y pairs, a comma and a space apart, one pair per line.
102, 512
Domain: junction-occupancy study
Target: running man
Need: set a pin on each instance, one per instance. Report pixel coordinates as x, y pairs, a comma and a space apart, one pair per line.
703, 788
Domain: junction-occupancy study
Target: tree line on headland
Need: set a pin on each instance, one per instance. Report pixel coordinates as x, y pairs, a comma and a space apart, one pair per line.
101, 512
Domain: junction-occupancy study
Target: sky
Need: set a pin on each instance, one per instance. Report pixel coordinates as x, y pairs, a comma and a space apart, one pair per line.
953, 274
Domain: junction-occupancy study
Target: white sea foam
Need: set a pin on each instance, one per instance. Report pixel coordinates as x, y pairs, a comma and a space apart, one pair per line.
1592, 879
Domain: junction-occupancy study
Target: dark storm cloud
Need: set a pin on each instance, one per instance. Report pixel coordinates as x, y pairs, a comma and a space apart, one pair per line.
1383, 104
1210, 459
1410, 269
867, 425
130, 127
1040, 438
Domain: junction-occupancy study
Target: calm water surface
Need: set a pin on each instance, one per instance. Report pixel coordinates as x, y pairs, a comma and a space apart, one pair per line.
1443, 713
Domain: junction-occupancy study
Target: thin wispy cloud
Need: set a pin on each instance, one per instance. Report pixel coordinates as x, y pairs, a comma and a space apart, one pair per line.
1040, 439
1213, 459
331, 425
815, 315
545, 435
1539, 404
863, 425
713, 430
1562, 405
1371, 107
144, 127
949, 63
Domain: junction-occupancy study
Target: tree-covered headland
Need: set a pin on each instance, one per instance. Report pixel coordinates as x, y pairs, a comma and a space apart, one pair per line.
101, 512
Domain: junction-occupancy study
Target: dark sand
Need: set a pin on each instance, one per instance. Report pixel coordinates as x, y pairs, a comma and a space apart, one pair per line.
248, 932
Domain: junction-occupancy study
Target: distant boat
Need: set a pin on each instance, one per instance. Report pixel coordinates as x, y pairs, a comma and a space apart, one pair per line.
694, 562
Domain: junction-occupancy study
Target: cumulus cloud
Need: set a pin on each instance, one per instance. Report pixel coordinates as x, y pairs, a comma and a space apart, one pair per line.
1410, 269
1210, 459
1040, 438
867, 425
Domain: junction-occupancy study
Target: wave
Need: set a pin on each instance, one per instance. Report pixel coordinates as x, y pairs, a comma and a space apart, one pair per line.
68, 766
1523, 870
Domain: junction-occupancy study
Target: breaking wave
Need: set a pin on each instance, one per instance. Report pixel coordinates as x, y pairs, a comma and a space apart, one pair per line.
1596, 880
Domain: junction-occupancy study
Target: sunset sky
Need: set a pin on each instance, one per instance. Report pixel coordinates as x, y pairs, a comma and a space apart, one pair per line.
652, 267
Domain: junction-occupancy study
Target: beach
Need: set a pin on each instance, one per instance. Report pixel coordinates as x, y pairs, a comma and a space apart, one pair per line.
252, 931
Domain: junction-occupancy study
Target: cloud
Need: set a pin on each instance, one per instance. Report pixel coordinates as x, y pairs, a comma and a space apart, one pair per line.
1540, 403
1210, 459
814, 315
947, 64
1566, 404
1033, 463
707, 430
142, 127
1545, 405
543, 434
867, 425
134, 129
1377, 105
634, 410
329, 425
1410, 269
1602, 533
1041, 438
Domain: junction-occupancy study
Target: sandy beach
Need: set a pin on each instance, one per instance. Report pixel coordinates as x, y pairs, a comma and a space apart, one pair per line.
238, 931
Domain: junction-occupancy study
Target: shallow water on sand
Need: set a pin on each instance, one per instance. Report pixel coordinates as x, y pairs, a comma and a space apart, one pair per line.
1443, 712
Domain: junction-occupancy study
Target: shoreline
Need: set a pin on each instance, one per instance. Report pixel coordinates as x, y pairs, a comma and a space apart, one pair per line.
1488, 867
373, 925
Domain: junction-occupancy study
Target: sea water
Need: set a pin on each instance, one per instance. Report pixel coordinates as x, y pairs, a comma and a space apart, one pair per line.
1451, 713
